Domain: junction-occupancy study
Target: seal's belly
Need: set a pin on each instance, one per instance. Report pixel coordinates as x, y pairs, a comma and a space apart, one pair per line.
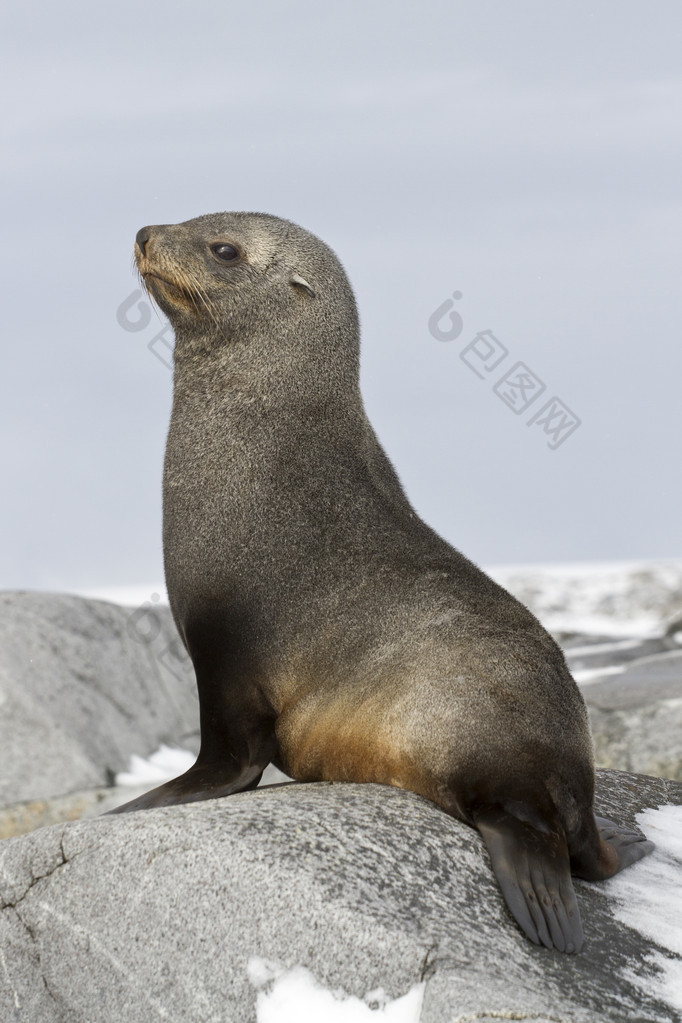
331, 741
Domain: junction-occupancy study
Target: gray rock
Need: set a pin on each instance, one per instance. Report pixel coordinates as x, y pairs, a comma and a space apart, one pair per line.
156, 915
636, 715
591, 652
83, 685
636, 712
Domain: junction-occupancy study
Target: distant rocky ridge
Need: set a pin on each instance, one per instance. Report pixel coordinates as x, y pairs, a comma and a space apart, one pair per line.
614, 598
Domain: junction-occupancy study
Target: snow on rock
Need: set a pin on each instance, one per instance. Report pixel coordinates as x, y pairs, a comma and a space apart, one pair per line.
649, 899
128, 596
629, 598
296, 996
167, 762
584, 676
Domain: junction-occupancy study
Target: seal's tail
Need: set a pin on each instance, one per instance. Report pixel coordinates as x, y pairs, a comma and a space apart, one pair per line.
532, 865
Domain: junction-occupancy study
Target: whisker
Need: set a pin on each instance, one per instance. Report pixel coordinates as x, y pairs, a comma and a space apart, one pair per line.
201, 293
188, 284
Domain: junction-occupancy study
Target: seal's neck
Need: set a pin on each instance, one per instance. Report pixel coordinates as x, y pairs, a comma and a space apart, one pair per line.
268, 372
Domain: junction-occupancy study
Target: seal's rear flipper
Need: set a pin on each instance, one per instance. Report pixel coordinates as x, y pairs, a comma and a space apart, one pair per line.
202, 781
628, 845
533, 869
603, 848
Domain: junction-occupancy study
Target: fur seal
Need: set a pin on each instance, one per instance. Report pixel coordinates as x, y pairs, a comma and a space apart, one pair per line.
332, 631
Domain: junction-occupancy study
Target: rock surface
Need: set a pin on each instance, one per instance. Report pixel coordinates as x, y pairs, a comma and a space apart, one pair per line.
633, 692
83, 685
156, 915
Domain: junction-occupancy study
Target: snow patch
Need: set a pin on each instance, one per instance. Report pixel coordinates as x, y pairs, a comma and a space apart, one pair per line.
296, 996
648, 897
586, 675
128, 596
169, 762
166, 763
602, 648
628, 598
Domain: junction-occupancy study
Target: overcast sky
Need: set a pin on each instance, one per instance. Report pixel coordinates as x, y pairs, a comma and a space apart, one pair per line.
526, 155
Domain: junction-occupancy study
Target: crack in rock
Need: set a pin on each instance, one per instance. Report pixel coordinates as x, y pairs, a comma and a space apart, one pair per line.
56, 999
428, 966
10, 900
91, 943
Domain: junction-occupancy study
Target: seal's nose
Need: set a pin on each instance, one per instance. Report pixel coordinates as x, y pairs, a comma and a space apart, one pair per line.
142, 237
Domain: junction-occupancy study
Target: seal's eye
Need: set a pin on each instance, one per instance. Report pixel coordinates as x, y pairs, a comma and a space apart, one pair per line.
224, 252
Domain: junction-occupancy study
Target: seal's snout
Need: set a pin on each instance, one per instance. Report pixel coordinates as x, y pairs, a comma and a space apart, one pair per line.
141, 239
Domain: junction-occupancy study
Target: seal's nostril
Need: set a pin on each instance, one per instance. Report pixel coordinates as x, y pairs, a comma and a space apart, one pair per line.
142, 237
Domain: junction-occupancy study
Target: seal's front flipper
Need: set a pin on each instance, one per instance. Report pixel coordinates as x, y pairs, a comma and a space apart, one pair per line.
533, 869
202, 781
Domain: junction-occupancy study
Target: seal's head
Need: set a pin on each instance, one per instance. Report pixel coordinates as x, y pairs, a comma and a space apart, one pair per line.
253, 278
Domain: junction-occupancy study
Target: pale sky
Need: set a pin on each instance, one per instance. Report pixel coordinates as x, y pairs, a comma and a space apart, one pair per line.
526, 155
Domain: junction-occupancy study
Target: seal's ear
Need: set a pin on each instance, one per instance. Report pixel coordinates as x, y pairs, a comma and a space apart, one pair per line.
300, 282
